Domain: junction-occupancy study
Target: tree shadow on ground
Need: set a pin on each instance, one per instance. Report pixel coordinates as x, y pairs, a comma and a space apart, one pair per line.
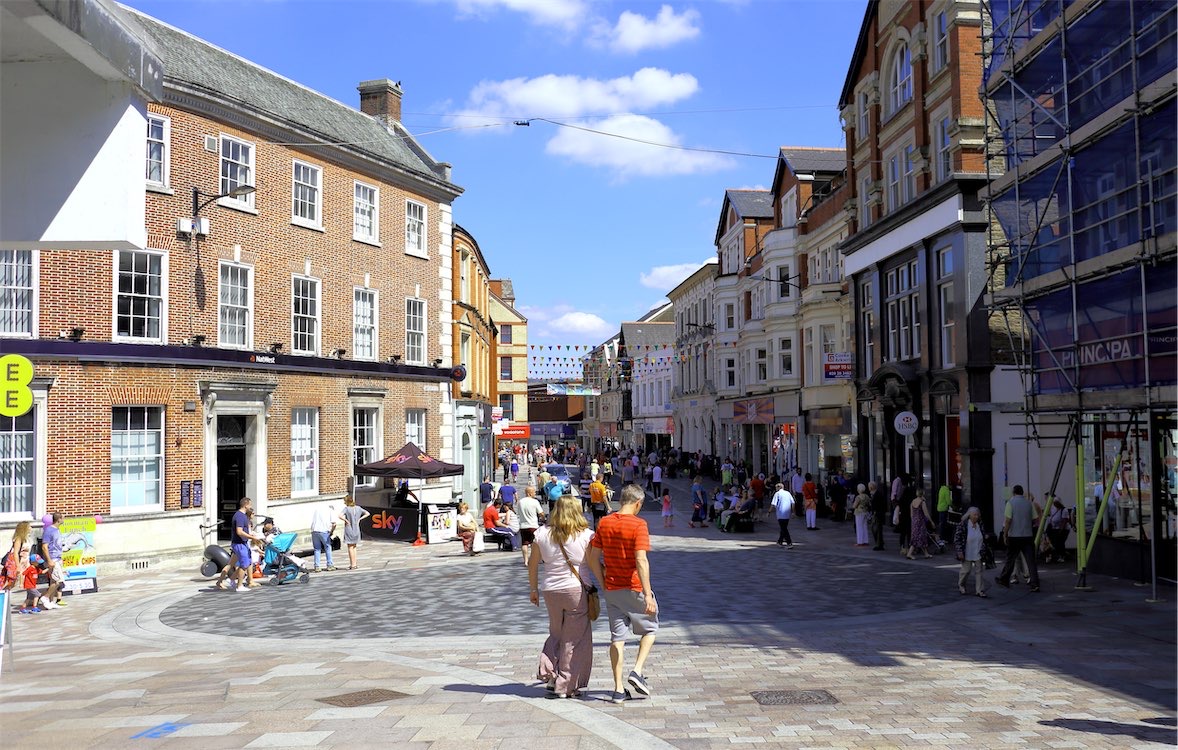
1136, 731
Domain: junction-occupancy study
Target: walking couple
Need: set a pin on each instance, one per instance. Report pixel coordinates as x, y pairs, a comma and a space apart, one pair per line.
616, 557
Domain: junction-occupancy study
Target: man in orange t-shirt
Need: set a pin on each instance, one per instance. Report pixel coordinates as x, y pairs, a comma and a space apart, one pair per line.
619, 561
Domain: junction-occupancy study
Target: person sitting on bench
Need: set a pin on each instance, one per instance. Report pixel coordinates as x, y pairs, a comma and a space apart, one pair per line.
494, 524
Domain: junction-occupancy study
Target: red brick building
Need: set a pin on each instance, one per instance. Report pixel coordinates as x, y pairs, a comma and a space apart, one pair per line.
263, 348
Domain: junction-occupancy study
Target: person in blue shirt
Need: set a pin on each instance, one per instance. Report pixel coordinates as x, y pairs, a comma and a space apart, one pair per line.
52, 547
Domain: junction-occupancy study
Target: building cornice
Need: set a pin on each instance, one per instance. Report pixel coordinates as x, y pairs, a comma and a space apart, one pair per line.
203, 102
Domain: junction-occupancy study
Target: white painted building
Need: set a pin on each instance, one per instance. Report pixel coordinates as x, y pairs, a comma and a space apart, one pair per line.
693, 394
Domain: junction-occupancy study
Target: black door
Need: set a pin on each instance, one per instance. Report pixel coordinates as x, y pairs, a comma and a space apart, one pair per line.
230, 469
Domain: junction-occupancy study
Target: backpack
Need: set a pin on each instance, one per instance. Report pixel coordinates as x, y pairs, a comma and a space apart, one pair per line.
8, 572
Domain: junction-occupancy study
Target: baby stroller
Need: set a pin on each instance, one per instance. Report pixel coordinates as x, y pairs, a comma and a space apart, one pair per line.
279, 563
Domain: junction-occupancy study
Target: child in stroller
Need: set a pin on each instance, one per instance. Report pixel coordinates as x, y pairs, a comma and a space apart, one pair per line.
277, 560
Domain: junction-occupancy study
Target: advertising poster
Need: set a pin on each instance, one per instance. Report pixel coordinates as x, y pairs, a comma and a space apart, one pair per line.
79, 555
441, 522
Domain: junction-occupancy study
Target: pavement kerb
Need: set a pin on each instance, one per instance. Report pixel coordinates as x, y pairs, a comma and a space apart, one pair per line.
138, 623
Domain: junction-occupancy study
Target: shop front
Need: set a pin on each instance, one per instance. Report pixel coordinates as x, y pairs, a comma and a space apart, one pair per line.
753, 417
828, 430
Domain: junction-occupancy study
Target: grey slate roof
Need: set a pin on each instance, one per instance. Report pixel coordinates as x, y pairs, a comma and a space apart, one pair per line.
226, 76
814, 159
752, 204
648, 334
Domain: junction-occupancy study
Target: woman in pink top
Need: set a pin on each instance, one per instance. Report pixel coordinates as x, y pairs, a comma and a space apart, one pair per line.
566, 660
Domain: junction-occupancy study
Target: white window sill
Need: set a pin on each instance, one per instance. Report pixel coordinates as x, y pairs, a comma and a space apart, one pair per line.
161, 189
417, 254
296, 353
367, 241
137, 510
304, 494
245, 208
305, 224
136, 340
236, 347
27, 335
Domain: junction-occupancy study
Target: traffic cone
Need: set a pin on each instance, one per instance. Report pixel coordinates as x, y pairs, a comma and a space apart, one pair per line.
419, 542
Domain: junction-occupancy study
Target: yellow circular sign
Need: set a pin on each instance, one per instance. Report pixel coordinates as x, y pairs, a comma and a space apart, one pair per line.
16, 398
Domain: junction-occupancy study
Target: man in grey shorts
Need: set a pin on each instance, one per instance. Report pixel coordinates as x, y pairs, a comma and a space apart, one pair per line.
619, 563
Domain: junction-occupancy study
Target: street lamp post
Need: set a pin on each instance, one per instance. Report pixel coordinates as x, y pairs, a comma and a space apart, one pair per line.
198, 205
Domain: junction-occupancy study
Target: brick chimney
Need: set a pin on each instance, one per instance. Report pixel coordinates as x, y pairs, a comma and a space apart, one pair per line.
381, 99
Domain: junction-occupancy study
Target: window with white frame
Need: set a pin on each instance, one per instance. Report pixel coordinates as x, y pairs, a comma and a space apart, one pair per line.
18, 456
159, 130
864, 115
730, 372
591, 407
785, 352
139, 295
784, 282
945, 308
940, 26
415, 331
867, 318
136, 459
762, 365
894, 199
364, 317
415, 228
365, 434
306, 195
865, 202
464, 277
900, 81
908, 176
944, 160
235, 305
237, 169
828, 339
305, 310
507, 404
464, 352
809, 355
304, 451
17, 298
366, 213
902, 310
789, 210
415, 427
729, 317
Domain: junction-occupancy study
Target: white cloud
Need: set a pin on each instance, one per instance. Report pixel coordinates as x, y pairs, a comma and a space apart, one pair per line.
562, 96
627, 156
750, 187
668, 277
565, 14
635, 32
564, 323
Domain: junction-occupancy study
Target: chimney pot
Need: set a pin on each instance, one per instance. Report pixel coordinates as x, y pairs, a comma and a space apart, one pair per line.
381, 98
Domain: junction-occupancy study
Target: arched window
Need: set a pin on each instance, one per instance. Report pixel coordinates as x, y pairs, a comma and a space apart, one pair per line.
901, 79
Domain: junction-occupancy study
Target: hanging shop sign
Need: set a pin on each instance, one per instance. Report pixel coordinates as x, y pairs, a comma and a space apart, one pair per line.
753, 411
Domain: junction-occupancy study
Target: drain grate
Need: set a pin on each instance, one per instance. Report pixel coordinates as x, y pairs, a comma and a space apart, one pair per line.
362, 698
794, 698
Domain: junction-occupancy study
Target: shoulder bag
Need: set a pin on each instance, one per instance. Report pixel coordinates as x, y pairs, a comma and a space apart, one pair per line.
590, 591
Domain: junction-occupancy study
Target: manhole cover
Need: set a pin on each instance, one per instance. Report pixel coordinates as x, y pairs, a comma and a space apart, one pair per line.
362, 698
794, 697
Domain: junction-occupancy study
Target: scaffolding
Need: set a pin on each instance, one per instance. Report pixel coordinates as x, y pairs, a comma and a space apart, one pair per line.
1081, 275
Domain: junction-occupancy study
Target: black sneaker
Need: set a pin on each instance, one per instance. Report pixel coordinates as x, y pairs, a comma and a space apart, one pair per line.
617, 697
1002, 583
638, 682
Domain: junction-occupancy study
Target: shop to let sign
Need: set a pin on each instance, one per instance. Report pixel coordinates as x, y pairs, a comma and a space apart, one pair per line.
838, 366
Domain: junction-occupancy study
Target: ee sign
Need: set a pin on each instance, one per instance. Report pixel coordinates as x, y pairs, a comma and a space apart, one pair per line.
906, 423
16, 372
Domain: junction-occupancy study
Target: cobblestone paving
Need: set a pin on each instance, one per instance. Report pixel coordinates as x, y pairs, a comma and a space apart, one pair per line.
911, 663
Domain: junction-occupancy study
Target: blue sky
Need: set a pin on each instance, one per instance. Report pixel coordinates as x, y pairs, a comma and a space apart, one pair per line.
593, 230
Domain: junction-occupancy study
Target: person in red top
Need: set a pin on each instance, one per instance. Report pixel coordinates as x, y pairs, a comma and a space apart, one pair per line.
618, 560
494, 524
757, 485
810, 502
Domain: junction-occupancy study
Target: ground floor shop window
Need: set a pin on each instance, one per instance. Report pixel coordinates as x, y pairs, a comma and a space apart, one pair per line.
17, 464
304, 451
136, 458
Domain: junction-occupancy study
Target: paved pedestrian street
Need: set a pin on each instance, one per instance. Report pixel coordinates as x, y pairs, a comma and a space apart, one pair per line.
158, 659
